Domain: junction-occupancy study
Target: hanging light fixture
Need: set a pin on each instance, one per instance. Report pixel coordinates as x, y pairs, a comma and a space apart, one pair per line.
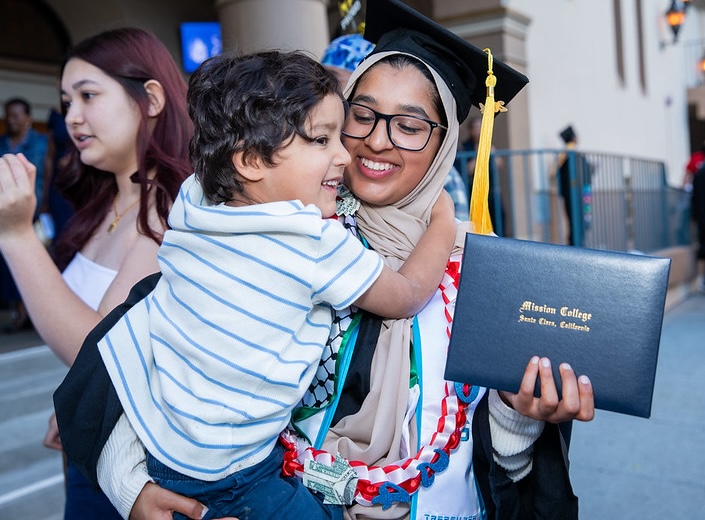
675, 16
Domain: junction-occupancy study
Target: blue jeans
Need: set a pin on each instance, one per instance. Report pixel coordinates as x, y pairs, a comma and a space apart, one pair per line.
254, 493
83, 501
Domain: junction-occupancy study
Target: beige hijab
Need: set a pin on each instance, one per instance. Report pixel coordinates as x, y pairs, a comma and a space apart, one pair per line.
373, 435
394, 230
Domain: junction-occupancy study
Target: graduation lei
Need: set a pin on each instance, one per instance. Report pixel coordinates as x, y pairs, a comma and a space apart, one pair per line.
397, 482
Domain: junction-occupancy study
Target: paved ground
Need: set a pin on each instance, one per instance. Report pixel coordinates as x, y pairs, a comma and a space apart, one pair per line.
31, 476
10, 342
622, 467
630, 468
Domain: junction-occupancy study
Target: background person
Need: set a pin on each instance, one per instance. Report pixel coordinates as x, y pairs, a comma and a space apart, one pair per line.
574, 179
696, 160
125, 108
344, 54
697, 206
22, 138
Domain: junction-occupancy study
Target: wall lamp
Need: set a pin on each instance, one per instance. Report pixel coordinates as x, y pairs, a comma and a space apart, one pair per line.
675, 16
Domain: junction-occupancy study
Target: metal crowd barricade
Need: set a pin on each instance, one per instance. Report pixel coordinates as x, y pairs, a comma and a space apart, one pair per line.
630, 206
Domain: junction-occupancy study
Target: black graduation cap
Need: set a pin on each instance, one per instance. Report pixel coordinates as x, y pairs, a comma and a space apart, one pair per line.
394, 26
568, 134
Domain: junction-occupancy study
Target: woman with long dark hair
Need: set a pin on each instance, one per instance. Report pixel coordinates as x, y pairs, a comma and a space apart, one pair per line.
124, 103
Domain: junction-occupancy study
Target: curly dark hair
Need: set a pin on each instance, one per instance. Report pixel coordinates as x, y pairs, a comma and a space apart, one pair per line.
255, 104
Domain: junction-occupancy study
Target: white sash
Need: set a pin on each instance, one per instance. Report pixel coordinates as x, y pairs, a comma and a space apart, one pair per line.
453, 493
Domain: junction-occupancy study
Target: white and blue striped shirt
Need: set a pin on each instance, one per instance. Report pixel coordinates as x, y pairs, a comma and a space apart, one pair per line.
209, 366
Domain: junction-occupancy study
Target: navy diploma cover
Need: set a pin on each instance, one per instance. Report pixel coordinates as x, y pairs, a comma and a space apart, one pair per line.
599, 311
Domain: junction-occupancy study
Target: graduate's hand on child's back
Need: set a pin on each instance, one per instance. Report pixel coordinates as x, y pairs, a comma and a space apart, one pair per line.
578, 402
156, 503
52, 440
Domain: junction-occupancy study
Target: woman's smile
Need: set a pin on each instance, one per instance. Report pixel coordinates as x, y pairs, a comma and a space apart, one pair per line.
375, 168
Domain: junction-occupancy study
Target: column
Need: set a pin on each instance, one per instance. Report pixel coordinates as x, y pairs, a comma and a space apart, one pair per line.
255, 25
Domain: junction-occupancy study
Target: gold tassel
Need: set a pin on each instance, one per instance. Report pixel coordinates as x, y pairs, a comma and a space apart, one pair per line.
479, 207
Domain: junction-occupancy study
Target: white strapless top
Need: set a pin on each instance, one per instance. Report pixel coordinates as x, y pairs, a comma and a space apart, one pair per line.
88, 280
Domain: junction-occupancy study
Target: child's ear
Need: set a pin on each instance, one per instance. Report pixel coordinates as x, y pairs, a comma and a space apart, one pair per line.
157, 99
250, 169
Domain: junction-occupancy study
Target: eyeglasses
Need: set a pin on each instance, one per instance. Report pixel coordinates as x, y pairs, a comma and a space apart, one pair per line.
406, 132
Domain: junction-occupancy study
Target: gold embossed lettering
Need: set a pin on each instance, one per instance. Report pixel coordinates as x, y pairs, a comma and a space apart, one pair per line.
529, 307
548, 323
575, 313
573, 326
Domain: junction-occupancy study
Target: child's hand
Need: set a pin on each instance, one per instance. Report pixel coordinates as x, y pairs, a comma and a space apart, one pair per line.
443, 220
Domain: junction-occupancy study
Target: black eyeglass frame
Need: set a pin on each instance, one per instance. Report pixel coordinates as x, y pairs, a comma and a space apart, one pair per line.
388, 119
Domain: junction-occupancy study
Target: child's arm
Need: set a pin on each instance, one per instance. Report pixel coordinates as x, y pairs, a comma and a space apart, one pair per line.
404, 293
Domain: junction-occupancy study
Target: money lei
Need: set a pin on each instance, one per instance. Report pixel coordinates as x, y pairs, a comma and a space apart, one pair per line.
337, 482
398, 481
347, 203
